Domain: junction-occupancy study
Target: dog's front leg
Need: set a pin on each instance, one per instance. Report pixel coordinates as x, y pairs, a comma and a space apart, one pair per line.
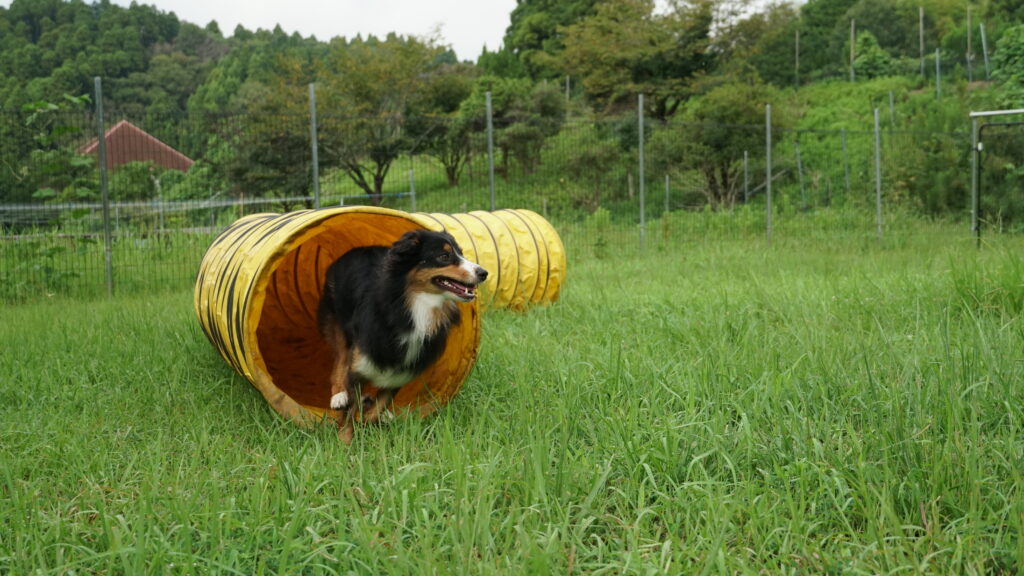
381, 404
344, 395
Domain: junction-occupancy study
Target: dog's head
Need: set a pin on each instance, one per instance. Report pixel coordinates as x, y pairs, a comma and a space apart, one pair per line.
434, 264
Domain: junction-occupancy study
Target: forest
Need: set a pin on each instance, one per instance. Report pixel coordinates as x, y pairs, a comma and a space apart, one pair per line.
567, 77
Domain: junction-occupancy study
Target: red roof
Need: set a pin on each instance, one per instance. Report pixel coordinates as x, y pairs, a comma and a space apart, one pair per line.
127, 142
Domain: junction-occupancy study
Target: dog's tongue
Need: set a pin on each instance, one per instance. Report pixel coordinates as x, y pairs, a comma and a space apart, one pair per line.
459, 289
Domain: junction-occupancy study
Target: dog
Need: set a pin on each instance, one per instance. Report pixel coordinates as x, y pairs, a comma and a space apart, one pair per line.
386, 313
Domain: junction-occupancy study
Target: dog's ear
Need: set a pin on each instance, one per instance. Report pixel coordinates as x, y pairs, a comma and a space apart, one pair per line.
409, 245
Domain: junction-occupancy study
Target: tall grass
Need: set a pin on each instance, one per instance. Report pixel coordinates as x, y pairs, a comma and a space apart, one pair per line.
714, 408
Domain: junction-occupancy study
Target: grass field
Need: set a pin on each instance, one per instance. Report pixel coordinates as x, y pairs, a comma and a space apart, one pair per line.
711, 409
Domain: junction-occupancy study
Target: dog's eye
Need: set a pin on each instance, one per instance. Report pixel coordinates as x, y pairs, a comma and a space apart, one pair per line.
445, 257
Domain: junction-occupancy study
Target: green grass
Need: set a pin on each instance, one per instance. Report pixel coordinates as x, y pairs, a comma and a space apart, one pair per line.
710, 409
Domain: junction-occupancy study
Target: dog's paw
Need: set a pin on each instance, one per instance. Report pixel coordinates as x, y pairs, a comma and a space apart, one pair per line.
345, 432
340, 401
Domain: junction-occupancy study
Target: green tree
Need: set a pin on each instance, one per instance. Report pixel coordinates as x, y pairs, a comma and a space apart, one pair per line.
716, 129
54, 169
524, 116
626, 49
820, 45
871, 61
892, 23
372, 87
535, 36
436, 128
1008, 65
764, 42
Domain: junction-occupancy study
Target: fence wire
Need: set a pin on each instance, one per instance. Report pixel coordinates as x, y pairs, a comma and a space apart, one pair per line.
175, 182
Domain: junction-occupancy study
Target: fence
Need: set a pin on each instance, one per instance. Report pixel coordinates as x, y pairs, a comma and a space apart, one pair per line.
143, 216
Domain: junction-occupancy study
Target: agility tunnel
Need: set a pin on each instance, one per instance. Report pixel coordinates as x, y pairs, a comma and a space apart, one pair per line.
260, 282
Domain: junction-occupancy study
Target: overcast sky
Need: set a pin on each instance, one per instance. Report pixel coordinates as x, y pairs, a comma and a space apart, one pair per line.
465, 25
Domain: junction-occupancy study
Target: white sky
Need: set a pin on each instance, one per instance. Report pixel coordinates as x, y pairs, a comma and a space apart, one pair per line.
465, 25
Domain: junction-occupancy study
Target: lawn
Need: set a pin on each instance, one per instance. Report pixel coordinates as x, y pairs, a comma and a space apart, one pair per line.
716, 408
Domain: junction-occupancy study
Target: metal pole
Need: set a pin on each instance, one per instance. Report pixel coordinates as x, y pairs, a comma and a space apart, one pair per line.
800, 173
490, 150
666, 194
846, 162
878, 176
975, 153
746, 177
412, 188
643, 222
892, 112
101, 140
768, 161
853, 50
567, 87
160, 203
938, 75
314, 146
920, 34
797, 58
970, 51
984, 49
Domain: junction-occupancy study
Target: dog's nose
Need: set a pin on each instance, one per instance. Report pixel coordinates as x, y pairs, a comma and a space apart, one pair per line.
481, 273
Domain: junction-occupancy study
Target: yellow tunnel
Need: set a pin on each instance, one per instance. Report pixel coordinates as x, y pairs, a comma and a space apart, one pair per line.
260, 282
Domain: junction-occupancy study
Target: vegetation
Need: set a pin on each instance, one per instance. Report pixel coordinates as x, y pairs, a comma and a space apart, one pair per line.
238, 104
795, 409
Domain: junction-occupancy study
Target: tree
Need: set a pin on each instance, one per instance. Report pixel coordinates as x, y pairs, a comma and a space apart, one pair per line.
371, 87
764, 42
523, 115
437, 128
627, 49
535, 35
820, 45
54, 169
871, 61
718, 127
1008, 64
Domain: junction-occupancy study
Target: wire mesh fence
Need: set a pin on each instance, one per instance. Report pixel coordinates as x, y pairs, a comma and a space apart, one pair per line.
167, 186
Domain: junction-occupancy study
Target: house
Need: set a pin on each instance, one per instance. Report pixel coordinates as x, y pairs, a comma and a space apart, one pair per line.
126, 142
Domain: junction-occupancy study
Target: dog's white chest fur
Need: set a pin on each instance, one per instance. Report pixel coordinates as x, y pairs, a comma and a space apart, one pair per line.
382, 377
425, 309
426, 312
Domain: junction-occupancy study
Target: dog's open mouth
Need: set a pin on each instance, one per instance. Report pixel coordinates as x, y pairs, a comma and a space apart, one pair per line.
465, 292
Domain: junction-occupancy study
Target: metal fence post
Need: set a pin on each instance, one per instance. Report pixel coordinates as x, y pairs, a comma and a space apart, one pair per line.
768, 162
412, 188
314, 146
984, 50
920, 36
666, 193
969, 56
878, 176
800, 173
892, 112
853, 49
846, 161
746, 177
490, 149
640, 176
101, 141
975, 153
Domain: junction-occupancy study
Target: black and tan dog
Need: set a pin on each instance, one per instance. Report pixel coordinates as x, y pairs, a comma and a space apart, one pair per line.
386, 313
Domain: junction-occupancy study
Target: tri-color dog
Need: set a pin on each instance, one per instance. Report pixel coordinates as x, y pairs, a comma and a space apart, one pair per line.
386, 313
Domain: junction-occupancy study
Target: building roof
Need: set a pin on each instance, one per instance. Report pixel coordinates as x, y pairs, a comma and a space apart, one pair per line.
126, 142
